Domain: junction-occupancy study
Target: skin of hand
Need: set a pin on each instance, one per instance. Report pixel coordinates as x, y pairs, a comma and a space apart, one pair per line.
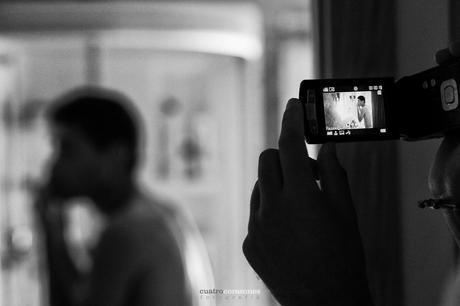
303, 241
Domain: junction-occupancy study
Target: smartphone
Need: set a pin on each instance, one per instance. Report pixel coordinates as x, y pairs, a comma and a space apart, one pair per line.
421, 106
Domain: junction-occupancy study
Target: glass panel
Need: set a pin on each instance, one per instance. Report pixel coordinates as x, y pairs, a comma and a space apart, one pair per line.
38, 71
191, 105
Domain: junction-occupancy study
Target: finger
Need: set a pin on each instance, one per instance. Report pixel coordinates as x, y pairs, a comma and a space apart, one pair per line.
334, 183
293, 151
253, 208
270, 181
251, 248
255, 257
443, 56
454, 48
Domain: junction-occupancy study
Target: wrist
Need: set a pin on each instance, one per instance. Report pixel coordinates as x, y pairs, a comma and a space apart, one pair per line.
306, 295
326, 298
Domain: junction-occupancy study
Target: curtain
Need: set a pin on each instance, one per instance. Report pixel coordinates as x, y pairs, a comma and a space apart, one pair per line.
378, 112
357, 39
454, 21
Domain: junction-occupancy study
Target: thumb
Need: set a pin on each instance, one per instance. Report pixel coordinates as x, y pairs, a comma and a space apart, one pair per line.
335, 186
334, 183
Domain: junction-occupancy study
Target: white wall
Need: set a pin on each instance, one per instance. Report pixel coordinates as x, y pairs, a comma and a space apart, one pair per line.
422, 28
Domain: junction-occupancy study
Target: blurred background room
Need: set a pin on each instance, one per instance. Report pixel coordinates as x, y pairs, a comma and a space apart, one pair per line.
211, 79
197, 71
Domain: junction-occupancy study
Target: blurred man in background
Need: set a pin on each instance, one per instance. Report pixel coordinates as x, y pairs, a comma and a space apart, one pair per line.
139, 259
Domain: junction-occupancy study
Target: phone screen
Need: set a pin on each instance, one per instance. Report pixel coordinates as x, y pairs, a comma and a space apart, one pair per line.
354, 110
348, 109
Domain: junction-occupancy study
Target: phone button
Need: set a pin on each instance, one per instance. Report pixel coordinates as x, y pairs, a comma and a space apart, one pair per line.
449, 95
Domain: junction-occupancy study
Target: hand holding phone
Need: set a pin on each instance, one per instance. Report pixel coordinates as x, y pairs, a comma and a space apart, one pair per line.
303, 241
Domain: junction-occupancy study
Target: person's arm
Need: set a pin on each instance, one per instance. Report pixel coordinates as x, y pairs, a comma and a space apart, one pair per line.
367, 117
303, 241
360, 113
137, 264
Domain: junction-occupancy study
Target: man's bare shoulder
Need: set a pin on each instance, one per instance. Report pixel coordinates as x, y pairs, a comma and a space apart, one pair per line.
139, 247
145, 229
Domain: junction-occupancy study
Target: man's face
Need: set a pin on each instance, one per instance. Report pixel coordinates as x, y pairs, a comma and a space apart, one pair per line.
361, 103
444, 178
76, 165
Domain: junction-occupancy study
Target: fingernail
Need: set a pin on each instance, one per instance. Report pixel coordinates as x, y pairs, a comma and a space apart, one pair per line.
292, 102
